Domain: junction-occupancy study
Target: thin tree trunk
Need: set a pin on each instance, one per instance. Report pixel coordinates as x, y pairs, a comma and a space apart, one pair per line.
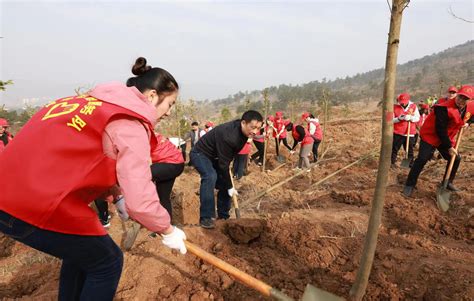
265, 142
358, 289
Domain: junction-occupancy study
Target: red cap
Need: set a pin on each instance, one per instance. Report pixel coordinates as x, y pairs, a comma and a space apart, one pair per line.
279, 114
425, 106
305, 115
209, 124
453, 89
403, 98
270, 117
467, 91
4, 122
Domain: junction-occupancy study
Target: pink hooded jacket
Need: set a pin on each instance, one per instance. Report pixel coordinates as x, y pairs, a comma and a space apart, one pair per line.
128, 142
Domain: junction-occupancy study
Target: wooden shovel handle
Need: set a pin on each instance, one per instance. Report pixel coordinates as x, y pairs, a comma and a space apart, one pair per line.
243, 277
453, 158
234, 197
408, 140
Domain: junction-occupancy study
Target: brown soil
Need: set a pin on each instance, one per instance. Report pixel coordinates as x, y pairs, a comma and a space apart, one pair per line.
297, 234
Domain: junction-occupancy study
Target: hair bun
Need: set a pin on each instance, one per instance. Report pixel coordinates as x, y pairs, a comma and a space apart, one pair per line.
140, 66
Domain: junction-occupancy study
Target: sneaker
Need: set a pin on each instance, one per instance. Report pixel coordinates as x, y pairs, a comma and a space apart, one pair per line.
259, 164
207, 223
451, 187
105, 223
407, 191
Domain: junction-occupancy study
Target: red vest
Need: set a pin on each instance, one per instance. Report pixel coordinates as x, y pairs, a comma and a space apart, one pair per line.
428, 130
307, 137
246, 149
318, 133
2, 145
422, 120
279, 125
401, 127
166, 152
56, 165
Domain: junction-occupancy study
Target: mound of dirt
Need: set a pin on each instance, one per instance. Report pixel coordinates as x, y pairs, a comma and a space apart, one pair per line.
245, 230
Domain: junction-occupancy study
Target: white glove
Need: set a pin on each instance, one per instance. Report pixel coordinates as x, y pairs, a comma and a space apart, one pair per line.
121, 210
401, 117
175, 240
292, 152
232, 191
408, 118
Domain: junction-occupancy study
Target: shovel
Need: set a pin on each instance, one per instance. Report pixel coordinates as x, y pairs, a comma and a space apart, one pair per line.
443, 194
234, 197
406, 160
311, 293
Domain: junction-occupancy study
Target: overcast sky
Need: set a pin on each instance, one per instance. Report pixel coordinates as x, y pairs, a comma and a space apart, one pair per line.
213, 48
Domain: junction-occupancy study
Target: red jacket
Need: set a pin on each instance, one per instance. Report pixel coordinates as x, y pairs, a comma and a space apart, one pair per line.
68, 171
428, 130
166, 152
401, 127
307, 139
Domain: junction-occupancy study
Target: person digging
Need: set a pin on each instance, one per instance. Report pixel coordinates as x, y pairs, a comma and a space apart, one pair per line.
212, 156
439, 132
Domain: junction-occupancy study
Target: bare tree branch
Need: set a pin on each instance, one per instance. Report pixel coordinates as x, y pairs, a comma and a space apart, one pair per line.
406, 5
450, 11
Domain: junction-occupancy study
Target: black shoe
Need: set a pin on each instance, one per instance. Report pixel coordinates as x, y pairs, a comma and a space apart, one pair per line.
451, 187
207, 223
407, 191
105, 223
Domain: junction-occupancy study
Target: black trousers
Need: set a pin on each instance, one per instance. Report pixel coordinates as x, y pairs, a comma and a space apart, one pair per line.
398, 141
240, 165
424, 155
277, 144
183, 151
164, 175
102, 208
315, 149
259, 153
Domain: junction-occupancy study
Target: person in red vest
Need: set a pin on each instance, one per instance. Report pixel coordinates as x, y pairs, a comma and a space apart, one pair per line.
240, 160
452, 93
404, 112
315, 131
168, 164
424, 110
280, 133
302, 136
209, 125
95, 141
439, 132
5, 136
258, 141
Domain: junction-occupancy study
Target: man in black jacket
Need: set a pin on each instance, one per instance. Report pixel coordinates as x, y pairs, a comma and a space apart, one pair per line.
212, 156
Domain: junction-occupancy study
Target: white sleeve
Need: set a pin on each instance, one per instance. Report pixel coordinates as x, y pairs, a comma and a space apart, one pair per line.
416, 116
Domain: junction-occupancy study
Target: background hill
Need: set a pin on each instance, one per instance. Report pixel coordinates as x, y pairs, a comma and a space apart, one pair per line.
423, 77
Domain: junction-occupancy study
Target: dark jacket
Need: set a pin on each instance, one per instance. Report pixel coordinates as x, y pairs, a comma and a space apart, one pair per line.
191, 135
221, 144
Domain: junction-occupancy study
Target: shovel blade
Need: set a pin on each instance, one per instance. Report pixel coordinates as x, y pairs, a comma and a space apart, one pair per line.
312, 293
442, 198
405, 163
130, 235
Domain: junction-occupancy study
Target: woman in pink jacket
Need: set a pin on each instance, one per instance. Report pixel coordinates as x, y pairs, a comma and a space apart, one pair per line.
97, 140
